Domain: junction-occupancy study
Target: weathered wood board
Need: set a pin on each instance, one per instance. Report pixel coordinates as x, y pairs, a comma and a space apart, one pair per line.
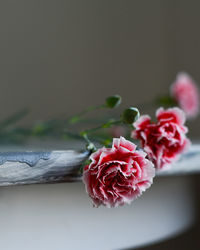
40, 167
63, 166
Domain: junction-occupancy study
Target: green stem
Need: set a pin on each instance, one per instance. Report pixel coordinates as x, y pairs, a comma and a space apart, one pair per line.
89, 146
76, 118
105, 125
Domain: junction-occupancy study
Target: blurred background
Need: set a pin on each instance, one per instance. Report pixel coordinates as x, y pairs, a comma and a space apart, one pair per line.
59, 57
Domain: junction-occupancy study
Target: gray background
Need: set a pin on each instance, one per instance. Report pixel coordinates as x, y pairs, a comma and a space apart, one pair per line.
61, 56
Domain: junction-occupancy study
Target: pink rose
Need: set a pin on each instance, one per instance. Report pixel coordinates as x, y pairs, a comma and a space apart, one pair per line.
165, 140
186, 93
117, 175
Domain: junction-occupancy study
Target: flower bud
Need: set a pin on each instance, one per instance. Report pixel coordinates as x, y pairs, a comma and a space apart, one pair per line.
130, 115
113, 101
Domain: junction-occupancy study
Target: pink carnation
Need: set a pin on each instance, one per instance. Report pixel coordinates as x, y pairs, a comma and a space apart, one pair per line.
186, 93
165, 140
117, 175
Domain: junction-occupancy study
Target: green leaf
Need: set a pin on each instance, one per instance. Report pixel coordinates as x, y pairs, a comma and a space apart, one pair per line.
130, 115
113, 101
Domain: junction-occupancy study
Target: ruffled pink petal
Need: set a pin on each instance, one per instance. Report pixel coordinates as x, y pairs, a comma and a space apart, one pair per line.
175, 115
142, 122
122, 142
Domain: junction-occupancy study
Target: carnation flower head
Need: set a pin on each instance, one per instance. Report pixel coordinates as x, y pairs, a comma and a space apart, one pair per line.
117, 175
164, 140
186, 93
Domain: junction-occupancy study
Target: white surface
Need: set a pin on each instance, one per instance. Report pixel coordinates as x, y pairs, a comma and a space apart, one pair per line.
61, 216
189, 163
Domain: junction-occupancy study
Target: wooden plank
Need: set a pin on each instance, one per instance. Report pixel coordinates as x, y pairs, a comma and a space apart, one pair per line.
40, 167
18, 168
